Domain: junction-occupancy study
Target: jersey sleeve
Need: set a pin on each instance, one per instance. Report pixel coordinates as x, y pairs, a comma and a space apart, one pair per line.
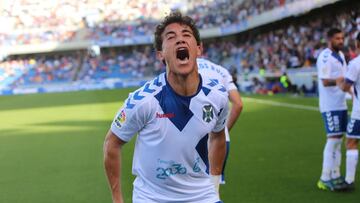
229, 83
352, 73
222, 116
128, 121
324, 68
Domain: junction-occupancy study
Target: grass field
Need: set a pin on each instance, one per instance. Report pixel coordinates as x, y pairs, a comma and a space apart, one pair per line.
51, 150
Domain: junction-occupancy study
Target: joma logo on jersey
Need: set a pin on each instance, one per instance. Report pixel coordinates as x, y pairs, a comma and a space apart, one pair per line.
208, 113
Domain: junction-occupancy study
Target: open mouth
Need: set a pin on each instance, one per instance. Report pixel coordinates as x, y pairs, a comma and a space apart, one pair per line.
182, 54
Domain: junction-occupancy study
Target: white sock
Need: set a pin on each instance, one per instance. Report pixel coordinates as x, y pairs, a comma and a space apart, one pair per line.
328, 159
351, 162
335, 173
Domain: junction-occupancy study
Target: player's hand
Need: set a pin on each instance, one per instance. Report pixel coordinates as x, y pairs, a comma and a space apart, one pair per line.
339, 81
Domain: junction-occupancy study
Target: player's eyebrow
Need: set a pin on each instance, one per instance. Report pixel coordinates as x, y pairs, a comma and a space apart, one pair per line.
169, 33
186, 31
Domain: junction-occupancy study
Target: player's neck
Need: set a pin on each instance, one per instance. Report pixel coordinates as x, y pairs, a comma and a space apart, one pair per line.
184, 85
334, 49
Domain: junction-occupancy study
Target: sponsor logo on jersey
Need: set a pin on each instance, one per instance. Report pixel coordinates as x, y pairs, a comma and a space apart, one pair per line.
208, 113
165, 115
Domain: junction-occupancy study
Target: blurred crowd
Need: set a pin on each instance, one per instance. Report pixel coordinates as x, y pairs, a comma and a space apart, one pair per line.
36, 21
293, 43
292, 46
39, 69
136, 62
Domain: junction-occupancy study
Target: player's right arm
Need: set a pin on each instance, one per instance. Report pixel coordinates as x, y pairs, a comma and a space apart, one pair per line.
325, 70
329, 82
127, 122
112, 162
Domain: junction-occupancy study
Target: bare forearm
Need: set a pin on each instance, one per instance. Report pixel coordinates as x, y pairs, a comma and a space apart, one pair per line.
217, 151
112, 163
329, 83
234, 115
236, 108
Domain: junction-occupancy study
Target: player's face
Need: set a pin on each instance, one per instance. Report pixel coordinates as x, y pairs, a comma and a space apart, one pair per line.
337, 41
179, 49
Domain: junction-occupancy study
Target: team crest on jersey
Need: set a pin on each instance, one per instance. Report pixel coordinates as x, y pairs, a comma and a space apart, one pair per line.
120, 119
208, 113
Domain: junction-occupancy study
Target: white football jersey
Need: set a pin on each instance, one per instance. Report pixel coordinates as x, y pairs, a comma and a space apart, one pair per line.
353, 76
213, 70
169, 158
331, 65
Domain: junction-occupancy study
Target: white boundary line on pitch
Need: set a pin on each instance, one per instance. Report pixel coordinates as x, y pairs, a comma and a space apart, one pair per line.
283, 104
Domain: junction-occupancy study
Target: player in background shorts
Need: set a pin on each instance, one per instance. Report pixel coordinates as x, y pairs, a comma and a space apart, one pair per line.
331, 65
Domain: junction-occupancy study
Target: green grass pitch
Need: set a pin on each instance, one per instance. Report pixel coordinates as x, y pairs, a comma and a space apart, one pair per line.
51, 150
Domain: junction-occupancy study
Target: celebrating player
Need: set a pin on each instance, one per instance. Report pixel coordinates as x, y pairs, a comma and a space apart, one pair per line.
352, 78
331, 65
223, 76
172, 115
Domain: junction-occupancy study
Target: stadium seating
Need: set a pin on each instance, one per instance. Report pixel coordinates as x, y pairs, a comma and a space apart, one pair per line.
296, 43
36, 22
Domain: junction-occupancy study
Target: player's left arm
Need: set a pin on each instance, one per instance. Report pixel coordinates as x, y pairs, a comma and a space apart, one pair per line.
346, 85
217, 151
236, 107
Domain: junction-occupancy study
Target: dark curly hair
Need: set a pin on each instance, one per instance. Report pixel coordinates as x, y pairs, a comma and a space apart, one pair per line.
332, 31
174, 17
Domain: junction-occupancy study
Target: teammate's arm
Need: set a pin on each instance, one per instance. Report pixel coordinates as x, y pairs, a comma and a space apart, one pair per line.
236, 107
112, 162
346, 86
332, 82
217, 151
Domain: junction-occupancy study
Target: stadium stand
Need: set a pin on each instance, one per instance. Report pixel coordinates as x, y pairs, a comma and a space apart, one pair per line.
35, 21
275, 48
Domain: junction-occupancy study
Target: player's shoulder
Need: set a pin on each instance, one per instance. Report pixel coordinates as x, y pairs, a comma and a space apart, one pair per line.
204, 65
355, 62
325, 54
214, 86
324, 57
146, 93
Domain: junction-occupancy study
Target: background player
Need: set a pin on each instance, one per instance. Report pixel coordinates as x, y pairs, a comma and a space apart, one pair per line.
220, 73
172, 115
331, 65
352, 78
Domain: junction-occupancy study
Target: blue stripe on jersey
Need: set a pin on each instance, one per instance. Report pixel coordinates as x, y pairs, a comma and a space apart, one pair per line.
347, 80
337, 56
355, 92
171, 102
202, 150
206, 91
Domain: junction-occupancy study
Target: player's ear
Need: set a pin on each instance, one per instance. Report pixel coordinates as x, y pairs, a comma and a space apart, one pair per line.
160, 56
200, 49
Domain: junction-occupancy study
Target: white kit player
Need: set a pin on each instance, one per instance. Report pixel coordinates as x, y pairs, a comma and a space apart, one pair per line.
171, 116
223, 76
352, 78
331, 65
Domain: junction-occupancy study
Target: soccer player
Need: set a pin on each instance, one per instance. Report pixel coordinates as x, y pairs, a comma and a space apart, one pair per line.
172, 114
221, 74
331, 65
352, 78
